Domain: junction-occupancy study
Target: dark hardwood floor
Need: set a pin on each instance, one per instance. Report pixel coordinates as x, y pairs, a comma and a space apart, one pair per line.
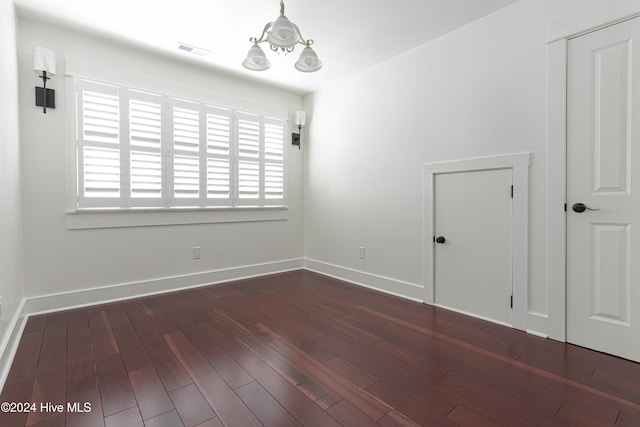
302, 349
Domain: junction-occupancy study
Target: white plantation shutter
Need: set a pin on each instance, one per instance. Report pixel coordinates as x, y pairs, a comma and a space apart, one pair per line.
146, 160
260, 172
138, 150
218, 156
274, 160
249, 166
185, 151
99, 171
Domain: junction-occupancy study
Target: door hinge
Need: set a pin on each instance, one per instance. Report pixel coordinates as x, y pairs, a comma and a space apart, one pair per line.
565, 207
511, 301
512, 191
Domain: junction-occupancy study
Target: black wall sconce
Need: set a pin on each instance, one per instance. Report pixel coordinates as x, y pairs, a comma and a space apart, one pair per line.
44, 61
300, 119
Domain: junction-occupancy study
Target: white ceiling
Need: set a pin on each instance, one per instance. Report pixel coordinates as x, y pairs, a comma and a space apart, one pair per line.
350, 35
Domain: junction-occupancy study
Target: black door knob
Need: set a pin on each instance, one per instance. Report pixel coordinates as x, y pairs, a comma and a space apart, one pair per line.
581, 207
440, 239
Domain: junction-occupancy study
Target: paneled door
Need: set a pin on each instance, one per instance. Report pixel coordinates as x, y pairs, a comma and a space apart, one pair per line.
603, 190
473, 251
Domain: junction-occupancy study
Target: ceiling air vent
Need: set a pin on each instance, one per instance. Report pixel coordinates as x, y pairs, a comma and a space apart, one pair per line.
193, 49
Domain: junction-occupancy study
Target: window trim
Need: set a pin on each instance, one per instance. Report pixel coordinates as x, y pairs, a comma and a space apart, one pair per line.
79, 218
117, 218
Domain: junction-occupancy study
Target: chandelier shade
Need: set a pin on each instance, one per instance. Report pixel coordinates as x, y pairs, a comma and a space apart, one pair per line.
308, 61
282, 35
256, 60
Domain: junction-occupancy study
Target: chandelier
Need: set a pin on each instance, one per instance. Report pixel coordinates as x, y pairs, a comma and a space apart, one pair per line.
282, 36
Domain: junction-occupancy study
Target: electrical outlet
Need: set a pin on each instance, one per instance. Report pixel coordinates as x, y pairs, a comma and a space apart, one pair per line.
195, 252
362, 252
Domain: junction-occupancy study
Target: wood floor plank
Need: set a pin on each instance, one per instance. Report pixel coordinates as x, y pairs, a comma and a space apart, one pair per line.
14, 393
171, 372
168, 419
468, 418
26, 360
214, 422
226, 404
291, 398
618, 384
102, 338
354, 373
296, 374
151, 395
35, 323
115, 387
577, 416
132, 350
129, 417
417, 408
191, 405
391, 371
187, 326
81, 372
536, 411
371, 405
396, 418
78, 319
229, 369
90, 416
265, 407
51, 377
349, 415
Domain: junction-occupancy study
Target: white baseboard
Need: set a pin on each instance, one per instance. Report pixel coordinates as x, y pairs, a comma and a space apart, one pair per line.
476, 316
106, 294
538, 324
11, 341
394, 287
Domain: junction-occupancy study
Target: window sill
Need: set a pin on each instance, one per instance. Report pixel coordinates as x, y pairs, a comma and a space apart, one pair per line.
106, 218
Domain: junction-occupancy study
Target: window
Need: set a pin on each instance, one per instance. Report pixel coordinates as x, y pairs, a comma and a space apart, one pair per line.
143, 150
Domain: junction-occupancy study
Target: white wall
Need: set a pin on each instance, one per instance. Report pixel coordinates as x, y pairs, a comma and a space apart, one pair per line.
58, 260
10, 201
478, 91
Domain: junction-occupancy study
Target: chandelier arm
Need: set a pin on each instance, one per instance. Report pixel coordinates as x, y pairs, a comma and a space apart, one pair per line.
262, 36
306, 43
301, 40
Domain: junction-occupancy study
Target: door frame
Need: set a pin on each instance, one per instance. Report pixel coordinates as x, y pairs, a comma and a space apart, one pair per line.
519, 164
592, 18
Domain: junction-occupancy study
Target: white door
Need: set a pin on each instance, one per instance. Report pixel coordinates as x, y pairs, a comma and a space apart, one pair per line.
603, 161
473, 264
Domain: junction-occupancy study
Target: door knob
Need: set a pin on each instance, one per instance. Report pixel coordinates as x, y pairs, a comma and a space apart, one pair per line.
581, 207
440, 239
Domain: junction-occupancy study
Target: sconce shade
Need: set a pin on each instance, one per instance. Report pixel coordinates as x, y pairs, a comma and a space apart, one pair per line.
308, 61
282, 33
300, 118
256, 59
44, 60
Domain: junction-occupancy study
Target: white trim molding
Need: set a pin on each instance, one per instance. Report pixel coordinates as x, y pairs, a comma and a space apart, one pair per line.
592, 17
387, 285
11, 341
519, 164
106, 294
